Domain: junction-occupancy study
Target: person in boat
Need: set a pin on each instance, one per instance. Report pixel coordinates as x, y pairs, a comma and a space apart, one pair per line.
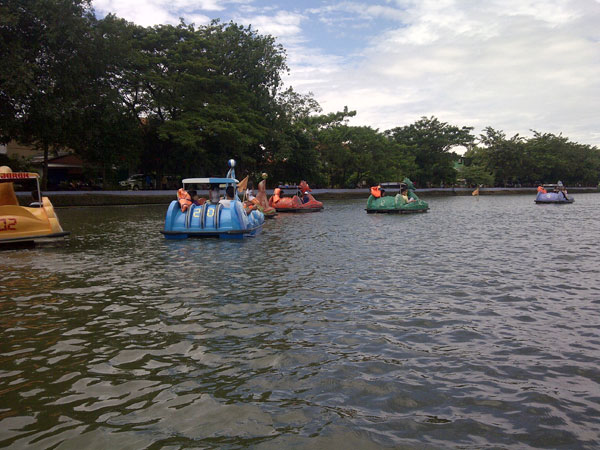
250, 192
251, 201
305, 189
184, 199
541, 189
563, 191
229, 196
196, 199
381, 192
376, 191
404, 194
213, 193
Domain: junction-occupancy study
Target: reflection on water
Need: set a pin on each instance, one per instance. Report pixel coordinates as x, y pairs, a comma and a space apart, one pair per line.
473, 325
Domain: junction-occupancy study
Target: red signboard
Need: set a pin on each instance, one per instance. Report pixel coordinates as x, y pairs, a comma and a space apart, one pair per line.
18, 176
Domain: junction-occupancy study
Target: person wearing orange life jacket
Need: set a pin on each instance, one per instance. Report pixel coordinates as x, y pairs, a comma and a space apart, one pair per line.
305, 189
184, 198
376, 191
196, 199
541, 189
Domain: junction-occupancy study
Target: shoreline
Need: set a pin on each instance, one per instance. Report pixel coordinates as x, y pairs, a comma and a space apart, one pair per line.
160, 197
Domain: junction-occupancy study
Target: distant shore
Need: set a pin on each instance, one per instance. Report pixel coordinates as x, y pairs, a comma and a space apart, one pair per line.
159, 197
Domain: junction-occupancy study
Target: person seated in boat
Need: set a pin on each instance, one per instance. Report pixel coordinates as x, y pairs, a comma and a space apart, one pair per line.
563, 191
305, 189
184, 199
229, 196
542, 190
381, 192
251, 202
214, 194
404, 194
250, 191
376, 191
196, 199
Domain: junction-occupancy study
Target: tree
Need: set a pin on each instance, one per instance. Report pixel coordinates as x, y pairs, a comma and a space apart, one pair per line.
44, 44
430, 142
354, 155
477, 174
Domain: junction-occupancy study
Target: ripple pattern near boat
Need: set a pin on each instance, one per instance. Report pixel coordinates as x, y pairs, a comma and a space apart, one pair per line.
473, 326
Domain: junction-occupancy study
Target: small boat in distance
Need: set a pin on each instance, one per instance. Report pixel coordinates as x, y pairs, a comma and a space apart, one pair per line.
300, 201
216, 217
26, 225
404, 202
553, 193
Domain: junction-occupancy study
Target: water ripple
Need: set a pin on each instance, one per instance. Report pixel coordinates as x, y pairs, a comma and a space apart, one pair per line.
475, 325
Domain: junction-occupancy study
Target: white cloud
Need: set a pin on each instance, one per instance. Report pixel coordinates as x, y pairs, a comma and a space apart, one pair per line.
513, 65
359, 10
155, 12
284, 25
510, 64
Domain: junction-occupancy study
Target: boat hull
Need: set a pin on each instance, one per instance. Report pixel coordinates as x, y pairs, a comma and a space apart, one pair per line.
299, 210
396, 211
553, 198
295, 205
19, 224
396, 205
221, 220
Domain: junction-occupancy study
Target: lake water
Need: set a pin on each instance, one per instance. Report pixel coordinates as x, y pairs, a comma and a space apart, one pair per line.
474, 325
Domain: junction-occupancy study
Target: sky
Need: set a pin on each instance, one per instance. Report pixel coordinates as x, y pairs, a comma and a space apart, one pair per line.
514, 65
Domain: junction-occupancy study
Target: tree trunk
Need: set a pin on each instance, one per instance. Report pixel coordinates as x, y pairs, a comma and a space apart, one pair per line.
45, 168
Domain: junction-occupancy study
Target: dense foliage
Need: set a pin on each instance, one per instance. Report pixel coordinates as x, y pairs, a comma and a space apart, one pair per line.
182, 100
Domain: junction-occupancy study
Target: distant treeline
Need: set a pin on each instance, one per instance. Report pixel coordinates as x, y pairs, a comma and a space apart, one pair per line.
182, 100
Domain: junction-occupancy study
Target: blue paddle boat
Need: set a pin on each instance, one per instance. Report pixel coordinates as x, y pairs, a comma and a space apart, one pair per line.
553, 193
215, 217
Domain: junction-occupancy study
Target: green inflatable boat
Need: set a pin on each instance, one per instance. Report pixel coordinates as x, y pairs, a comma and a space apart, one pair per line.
382, 201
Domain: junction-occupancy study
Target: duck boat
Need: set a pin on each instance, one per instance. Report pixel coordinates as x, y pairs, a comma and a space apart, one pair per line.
379, 202
222, 218
557, 194
301, 201
259, 201
26, 225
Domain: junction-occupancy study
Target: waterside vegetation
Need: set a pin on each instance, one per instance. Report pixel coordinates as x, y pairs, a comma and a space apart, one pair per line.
184, 99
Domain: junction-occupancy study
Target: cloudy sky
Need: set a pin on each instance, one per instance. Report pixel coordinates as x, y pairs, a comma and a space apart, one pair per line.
514, 65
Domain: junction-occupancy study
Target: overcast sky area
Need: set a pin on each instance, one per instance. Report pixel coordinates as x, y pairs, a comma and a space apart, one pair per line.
514, 65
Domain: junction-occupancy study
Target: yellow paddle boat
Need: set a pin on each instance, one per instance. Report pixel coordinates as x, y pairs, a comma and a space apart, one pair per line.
19, 224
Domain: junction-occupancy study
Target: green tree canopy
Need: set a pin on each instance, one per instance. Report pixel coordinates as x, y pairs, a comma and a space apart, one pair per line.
431, 141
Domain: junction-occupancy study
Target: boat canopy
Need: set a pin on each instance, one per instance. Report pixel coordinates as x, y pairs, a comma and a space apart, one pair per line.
15, 176
392, 184
209, 181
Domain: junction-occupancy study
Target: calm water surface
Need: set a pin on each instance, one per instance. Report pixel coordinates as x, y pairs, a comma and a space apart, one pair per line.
475, 325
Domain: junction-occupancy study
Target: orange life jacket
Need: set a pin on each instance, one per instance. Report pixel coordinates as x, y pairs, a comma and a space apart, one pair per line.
376, 191
542, 190
304, 188
185, 201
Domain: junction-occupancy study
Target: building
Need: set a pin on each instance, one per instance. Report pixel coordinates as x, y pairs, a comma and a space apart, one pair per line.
62, 168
